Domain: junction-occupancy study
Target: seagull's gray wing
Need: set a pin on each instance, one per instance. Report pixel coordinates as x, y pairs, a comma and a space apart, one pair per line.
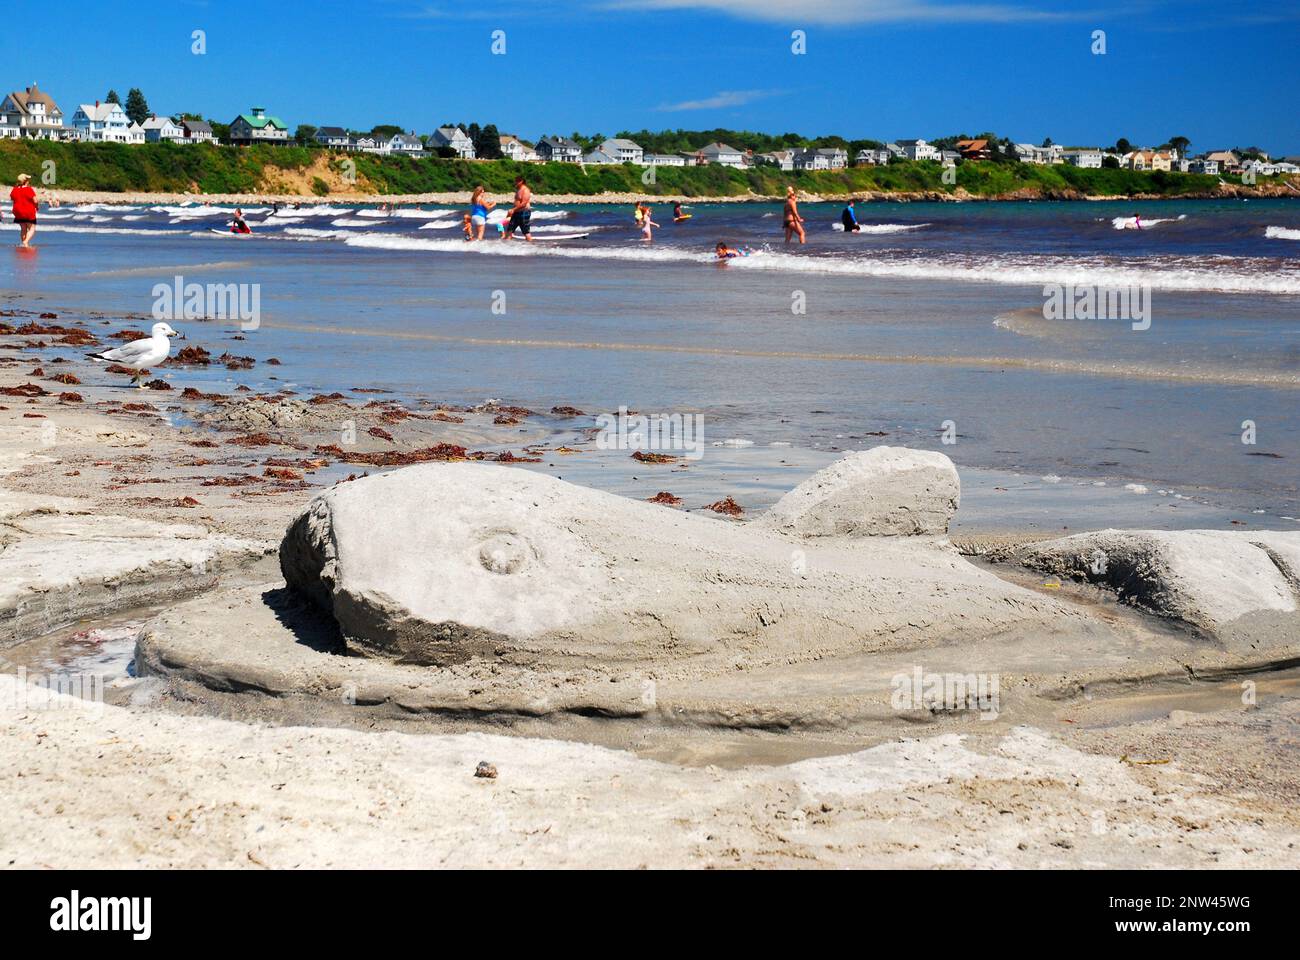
129, 352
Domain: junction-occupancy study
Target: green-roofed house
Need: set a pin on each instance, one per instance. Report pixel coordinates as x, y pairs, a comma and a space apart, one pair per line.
257, 127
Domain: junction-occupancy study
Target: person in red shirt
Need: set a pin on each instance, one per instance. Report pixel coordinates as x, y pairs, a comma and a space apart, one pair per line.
24, 201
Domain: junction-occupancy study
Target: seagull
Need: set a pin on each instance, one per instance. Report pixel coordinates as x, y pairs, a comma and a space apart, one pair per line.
141, 354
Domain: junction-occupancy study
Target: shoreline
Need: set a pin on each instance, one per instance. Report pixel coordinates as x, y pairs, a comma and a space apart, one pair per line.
455, 198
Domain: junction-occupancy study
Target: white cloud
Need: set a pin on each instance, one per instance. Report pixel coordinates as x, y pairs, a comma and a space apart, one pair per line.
849, 11
725, 98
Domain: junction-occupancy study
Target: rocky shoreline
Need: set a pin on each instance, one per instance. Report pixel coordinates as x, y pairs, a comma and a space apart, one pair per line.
361, 618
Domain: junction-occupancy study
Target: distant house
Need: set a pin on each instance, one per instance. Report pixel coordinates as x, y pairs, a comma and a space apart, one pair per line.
664, 160
559, 150
623, 150
720, 154
455, 138
1286, 167
1259, 168
512, 148
781, 159
949, 158
335, 138
256, 127
405, 144
1028, 153
918, 150
600, 157
197, 131
1227, 160
106, 123
163, 130
1203, 165
896, 151
10, 128
365, 144
837, 158
811, 160
36, 114
867, 157
1149, 160
974, 149
1085, 158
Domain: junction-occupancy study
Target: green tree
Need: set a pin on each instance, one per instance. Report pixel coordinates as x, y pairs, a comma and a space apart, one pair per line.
305, 134
113, 97
385, 131
1123, 146
1180, 144
137, 107
487, 146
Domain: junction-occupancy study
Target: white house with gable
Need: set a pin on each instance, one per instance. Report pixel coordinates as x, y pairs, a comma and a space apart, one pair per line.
455, 138
163, 130
623, 150
106, 123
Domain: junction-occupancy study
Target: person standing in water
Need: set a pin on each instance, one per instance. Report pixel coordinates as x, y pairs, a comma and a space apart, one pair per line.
238, 224
521, 214
793, 222
24, 209
646, 224
850, 219
479, 206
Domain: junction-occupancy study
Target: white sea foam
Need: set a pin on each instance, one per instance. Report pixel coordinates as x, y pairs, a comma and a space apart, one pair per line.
521, 248
1282, 233
882, 227
404, 214
1131, 223
320, 210
315, 233
61, 228
1223, 274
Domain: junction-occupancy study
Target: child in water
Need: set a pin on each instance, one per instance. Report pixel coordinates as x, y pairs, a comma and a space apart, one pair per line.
730, 253
646, 224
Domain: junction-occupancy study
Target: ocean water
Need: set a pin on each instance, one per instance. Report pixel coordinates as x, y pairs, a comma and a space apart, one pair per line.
932, 318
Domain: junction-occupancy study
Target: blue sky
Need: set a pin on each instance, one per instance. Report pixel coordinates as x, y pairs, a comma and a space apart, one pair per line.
1220, 73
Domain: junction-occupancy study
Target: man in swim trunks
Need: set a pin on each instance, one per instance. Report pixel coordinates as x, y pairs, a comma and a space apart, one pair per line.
850, 219
793, 222
521, 214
